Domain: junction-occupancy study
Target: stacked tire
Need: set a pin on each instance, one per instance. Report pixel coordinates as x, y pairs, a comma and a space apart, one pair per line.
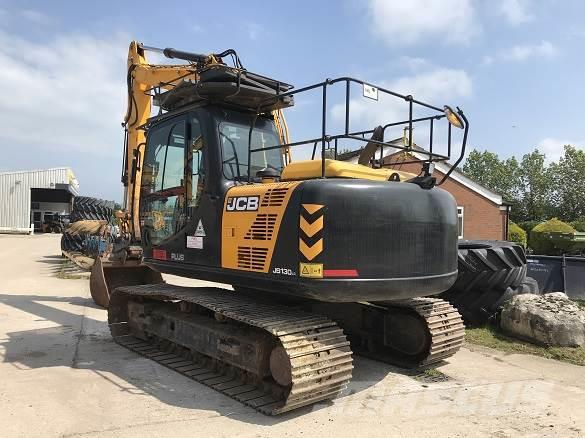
490, 273
71, 243
85, 208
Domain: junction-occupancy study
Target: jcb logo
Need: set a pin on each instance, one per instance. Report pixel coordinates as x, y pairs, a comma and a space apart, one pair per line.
243, 203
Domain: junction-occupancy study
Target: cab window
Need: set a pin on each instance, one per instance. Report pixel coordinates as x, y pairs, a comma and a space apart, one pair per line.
162, 206
234, 144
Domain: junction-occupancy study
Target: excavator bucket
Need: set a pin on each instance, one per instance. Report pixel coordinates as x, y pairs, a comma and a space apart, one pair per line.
106, 276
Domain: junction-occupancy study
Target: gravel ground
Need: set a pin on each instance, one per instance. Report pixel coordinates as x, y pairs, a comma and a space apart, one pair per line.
61, 375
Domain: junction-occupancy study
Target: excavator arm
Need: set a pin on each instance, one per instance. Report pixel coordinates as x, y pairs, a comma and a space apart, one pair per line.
143, 81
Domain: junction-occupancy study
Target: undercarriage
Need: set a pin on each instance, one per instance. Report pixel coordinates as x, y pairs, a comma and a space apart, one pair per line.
275, 357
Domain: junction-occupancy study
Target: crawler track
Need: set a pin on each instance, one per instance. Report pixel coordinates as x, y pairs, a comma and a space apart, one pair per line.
446, 331
313, 355
413, 333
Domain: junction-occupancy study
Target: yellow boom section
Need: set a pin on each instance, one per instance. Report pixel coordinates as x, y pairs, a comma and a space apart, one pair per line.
142, 79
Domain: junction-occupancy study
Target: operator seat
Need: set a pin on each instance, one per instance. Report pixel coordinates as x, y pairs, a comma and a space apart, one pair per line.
368, 152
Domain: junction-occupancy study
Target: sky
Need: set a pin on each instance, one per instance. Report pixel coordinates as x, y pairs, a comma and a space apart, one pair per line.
515, 67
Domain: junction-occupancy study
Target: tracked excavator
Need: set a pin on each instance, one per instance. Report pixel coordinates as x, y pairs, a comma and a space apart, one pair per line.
327, 258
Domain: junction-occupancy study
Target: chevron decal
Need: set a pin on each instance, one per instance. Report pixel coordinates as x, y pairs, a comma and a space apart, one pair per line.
311, 223
310, 229
310, 252
312, 208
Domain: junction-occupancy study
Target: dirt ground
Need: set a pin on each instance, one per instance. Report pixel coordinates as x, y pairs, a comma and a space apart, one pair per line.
61, 375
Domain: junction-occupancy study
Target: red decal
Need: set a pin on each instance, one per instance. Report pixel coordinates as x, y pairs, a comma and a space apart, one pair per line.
340, 273
159, 254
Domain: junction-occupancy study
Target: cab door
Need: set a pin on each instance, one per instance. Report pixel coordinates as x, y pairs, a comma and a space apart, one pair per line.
163, 209
202, 238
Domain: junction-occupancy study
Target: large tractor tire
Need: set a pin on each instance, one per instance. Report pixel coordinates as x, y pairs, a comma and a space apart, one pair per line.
86, 208
528, 286
487, 270
71, 243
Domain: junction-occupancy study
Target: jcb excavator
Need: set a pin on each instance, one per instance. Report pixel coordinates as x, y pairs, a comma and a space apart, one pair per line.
326, 257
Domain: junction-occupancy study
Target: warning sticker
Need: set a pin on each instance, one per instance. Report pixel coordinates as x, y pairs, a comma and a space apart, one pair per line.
195, 242
370, 92
312, 270
200, 231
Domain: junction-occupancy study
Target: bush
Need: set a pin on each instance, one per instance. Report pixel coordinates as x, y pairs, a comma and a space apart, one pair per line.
541, 244
579, 224
516, 234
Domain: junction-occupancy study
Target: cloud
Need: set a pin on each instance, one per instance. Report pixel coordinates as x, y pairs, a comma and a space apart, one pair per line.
402, 23
254, 31
414, 63
72, 86
63, 101
515, 11
196, 28
553, 147
36, 17
520, 53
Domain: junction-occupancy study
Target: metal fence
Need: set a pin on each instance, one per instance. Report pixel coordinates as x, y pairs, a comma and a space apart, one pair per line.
559, 273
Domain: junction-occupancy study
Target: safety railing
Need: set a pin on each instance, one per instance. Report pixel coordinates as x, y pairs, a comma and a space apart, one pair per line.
330, 141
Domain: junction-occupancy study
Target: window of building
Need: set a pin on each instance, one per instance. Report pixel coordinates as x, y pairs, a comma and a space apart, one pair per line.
460, 222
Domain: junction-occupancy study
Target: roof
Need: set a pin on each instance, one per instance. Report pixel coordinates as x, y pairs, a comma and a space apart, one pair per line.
441, 166
10, 172
458, 176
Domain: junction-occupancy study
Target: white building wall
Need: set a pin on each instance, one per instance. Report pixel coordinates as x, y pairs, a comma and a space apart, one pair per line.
15, 194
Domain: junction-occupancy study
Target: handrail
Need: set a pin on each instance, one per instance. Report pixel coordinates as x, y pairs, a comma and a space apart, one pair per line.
325, 138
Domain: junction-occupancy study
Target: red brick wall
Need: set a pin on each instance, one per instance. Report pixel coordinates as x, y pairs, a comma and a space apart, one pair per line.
482, 219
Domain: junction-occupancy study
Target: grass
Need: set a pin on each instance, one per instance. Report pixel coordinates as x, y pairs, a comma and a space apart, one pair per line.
580, 303
432, 372
489, 337
430, 375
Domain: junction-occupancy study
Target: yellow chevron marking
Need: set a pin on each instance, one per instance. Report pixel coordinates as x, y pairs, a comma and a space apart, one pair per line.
310, 252
310, 229
312, 208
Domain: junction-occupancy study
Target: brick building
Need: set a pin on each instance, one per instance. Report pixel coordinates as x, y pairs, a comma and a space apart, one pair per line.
483, 215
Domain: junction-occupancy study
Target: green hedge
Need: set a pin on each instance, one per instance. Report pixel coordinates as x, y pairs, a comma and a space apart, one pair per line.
516, 234
541, 244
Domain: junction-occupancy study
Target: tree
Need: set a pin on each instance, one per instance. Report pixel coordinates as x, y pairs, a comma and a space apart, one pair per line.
501, 176
536, 187
569, 184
